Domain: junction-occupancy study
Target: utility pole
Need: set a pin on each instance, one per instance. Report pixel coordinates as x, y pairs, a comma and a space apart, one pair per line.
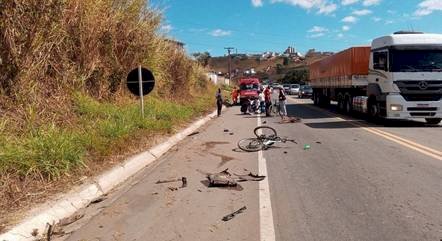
229, 49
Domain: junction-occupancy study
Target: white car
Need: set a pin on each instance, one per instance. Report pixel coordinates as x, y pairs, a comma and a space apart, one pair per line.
294, 89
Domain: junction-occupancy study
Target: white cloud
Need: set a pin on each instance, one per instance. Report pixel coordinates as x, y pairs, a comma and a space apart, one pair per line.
166, 28
348, 2
427, 7
257, 3
350, 19
316, 35
318, 29
371, 2
220, 33
376, 19
323, 6
345, 28
362, 12
340, 35
387, 22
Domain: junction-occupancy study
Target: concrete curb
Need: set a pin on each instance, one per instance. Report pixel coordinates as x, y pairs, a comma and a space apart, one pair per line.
67, 204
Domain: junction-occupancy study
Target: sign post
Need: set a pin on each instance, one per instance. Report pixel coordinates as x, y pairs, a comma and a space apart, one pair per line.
140, 82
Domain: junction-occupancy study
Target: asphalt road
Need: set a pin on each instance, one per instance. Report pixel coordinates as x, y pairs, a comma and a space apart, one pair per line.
358, 181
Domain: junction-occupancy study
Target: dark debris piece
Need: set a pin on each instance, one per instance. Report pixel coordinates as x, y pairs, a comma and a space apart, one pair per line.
184, 182
194, 133
221, 179
250, 177
232, 215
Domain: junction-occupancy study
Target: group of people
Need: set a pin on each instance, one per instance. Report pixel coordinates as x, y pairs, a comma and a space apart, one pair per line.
266, 98
275, 96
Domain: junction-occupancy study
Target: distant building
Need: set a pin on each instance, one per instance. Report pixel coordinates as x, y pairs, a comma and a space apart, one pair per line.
290, 51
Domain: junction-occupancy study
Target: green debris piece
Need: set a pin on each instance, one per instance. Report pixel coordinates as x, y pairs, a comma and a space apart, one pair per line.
306, 147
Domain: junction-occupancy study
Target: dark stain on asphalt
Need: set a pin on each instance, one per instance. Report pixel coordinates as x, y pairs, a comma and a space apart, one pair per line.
224, 158
211, 144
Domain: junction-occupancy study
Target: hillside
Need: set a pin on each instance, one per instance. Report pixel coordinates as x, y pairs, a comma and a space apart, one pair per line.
273, 68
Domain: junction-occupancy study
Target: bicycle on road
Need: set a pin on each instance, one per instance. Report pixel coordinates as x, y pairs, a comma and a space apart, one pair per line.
266, 137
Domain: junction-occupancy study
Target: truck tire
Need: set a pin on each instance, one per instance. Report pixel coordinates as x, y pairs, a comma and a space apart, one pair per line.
315, 99
340, 104
433, 121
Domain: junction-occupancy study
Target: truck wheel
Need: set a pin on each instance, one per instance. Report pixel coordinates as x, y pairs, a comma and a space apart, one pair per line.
315, 99
433, 121
340, 104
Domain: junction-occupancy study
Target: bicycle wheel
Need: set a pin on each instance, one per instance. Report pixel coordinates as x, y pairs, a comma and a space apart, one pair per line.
250, 144
265, 132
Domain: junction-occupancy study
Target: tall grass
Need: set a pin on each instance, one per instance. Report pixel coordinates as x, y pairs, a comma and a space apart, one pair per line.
50, 152
63, 65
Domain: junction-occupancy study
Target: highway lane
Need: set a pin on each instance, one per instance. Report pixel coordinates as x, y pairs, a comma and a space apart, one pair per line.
351, 184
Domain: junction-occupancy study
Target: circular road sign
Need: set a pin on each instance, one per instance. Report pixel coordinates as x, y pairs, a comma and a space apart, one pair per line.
133, 83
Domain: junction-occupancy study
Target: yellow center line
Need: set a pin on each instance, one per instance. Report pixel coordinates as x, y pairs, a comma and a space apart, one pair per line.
399, 140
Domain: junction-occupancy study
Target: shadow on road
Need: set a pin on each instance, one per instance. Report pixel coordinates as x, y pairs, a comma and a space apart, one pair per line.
303, 111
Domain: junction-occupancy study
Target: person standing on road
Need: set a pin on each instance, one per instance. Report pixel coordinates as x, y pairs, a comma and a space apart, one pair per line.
234, 96
282, 104
268, 101
219, 101
261, 102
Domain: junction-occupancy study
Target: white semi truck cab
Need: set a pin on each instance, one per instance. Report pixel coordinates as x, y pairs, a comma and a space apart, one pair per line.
405, 77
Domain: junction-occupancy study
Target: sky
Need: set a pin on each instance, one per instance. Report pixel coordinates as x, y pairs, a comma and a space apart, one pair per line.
255, 26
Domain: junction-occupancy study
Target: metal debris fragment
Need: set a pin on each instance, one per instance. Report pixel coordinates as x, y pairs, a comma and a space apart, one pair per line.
250, 177
194, 133
232, 215
168, 181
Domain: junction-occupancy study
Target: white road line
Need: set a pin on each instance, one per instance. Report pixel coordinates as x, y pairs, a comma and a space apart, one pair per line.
267, 228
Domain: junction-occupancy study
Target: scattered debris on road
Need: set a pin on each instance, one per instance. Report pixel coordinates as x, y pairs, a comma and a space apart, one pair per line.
226, 130
184, 182
223, 178
173, 189
232, 215
155, 193
194, 133
71, 219
290, 119
231, 133
318, 142
250, 177
169, 180
264, 122
307, 147
226, 179
34, 232
285, 152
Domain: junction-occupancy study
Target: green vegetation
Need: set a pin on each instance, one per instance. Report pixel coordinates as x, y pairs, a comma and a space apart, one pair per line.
63, 99
297, 76
50, 151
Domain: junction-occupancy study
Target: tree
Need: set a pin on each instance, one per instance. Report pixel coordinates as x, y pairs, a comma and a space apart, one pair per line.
299, 76
202, 58
285, 61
